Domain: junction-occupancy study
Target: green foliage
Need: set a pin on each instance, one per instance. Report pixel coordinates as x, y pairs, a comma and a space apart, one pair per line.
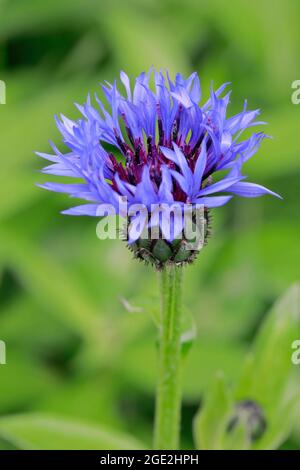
211, 421
265, 380
47, 433
73, 352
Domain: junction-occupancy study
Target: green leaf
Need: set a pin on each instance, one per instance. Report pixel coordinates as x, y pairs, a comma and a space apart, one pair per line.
98, 398
237, 438
22, 369
206, 357
49, 283
47, 432
264, 379
211, 421
268, 366
279, 427
268, 369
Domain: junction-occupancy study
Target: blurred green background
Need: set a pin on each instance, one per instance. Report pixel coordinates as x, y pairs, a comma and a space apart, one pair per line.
74, 353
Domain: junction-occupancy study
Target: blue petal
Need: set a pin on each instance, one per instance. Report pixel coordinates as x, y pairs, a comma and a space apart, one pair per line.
219, 186
47, 156
251, 190
183, 165
85, 209
59, 169
199, 168
181, 181
176, 156
195, 92
217, 93
125, 188
145, 192
213, 201
183, 97
165, 188
170, 154
136, 227
64, 188
126, 82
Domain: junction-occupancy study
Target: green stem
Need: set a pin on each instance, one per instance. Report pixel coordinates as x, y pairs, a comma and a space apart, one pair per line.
168, 398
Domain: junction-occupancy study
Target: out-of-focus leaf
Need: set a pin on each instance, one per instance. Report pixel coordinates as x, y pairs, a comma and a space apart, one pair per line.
47, 432
237, 438
279, 428
283, 126
48, 283
97, 395
268, 369
129, 27
18, 197
206, 357
264, 381
21, 369
269, 365
23, 17
17, 318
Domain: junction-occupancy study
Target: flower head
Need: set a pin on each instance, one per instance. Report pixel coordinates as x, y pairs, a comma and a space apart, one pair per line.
155, 145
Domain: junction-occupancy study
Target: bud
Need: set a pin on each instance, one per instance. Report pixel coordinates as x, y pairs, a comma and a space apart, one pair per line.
250, 414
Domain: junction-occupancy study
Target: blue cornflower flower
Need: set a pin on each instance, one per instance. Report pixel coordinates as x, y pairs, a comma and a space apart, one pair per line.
155, 147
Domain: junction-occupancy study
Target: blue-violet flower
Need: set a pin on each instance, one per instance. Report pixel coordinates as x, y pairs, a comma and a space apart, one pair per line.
155, 145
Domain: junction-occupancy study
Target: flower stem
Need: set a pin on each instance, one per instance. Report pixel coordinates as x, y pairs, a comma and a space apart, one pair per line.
168, 398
